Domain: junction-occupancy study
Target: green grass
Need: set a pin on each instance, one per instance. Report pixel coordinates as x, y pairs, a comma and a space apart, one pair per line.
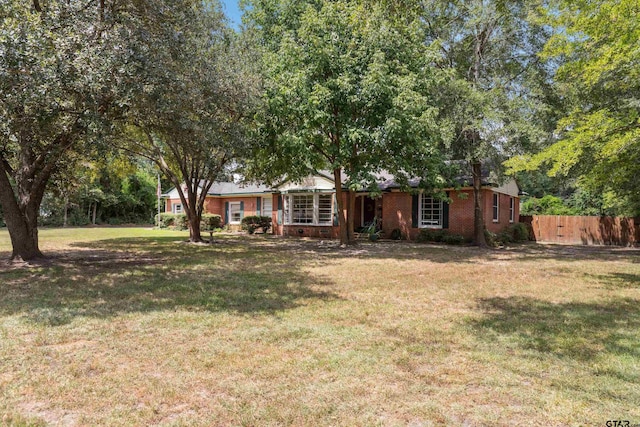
129, 326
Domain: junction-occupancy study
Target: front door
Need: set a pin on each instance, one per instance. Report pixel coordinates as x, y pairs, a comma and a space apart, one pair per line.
368, 211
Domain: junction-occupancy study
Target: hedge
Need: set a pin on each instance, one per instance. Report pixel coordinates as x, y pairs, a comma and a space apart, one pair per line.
252, 223
208, 222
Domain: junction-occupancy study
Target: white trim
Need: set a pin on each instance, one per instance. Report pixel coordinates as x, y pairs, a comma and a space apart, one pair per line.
495, 207
440, 224
231, 204
315, 219
262, 204
512, 209
174, 210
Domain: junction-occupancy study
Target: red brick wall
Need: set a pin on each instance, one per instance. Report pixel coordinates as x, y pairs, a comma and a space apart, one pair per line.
503, 211
397, 208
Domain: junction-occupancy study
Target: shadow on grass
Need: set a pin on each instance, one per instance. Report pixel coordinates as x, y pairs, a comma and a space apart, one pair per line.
578, 331
619, 280
158, 274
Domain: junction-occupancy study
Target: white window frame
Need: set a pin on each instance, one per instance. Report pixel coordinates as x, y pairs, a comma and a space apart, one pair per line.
233, 205
315, 220
263, 211
495, 207
512, 209
176, 208
427, 202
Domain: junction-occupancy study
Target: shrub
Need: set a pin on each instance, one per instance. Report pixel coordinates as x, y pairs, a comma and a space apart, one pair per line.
165, 220
431, 235
520, 232
180, 222
453, 239
210, 222
491, 238
252, 223
114, 221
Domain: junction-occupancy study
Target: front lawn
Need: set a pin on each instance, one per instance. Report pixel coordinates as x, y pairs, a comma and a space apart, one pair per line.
130, 326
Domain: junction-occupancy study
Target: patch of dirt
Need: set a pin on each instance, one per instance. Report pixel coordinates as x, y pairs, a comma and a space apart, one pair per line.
52, 417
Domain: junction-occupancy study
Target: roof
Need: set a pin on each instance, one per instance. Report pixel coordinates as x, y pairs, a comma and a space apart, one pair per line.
220, 188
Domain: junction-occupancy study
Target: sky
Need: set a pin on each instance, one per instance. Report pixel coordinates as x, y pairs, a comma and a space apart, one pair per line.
232, 11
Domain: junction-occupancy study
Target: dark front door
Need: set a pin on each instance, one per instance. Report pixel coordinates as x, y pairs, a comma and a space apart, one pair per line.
368, 211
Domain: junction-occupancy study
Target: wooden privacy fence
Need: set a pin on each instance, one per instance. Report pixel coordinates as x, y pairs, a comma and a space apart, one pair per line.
584, 230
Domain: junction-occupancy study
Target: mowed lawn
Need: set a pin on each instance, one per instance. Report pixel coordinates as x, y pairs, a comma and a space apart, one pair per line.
128, 326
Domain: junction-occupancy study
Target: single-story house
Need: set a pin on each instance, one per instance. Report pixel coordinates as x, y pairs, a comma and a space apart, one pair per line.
309, 208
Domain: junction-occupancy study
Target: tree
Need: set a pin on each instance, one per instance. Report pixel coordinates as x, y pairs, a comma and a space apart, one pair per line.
598, 140
192, 121
346, 89
498, 97
67, 69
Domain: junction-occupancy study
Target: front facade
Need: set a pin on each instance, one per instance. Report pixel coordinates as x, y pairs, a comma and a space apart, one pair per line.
309, 208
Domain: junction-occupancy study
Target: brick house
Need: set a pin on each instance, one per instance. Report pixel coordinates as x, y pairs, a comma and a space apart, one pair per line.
309, 208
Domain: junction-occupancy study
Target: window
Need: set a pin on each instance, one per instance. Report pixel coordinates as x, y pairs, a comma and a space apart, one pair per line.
235, 213
496, 207
177, 208
430, 211
324, 208
512, 209
311, 209
302, 209
267, 206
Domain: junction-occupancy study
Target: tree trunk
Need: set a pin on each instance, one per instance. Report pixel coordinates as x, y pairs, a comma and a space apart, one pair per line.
351, 216
95, 208
478, 217
66, 211
22, 222
194, 224
342, 218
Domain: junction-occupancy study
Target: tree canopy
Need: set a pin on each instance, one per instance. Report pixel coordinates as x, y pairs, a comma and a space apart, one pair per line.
348, 90
596, 48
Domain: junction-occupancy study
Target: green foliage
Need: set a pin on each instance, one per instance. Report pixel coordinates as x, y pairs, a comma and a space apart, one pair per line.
514, 233
453, 239
519, 232
210, 222
254, 222
547, 205
431, 235
598, 140
439, 235
345, 87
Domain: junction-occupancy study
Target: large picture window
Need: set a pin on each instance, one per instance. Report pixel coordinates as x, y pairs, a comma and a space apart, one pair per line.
430, 212
309, 209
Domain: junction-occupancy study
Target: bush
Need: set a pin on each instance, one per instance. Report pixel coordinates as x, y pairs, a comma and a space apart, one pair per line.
519, 232
165, 220
210, 222
453, 239
174, 221
431, 235
252, 223
180, 222
115, 221
490, 238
